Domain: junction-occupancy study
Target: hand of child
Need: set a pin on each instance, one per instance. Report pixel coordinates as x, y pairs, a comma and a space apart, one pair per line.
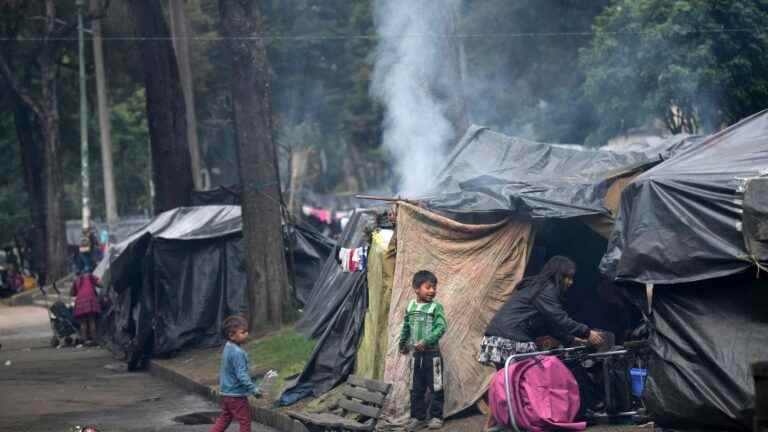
403, 349
420, 346
257, 394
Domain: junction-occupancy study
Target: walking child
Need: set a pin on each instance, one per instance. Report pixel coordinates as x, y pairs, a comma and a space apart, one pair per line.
234, 378
424, 324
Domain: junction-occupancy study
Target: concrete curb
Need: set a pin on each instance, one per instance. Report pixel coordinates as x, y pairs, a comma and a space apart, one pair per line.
261, 415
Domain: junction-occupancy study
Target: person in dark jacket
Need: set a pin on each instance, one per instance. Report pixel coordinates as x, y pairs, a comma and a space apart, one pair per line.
535, 309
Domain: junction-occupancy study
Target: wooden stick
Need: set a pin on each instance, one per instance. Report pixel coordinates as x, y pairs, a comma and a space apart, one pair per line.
378, 198
388, 199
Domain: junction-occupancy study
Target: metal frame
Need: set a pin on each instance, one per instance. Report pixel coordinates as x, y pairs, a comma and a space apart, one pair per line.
557, 351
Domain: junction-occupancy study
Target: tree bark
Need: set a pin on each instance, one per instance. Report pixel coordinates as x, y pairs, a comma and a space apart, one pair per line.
180, 32
110, 197
257, 156
33, 168
171, 165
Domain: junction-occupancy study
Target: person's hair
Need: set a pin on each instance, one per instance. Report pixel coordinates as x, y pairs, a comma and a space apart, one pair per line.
555, 271
423, 276
234, 323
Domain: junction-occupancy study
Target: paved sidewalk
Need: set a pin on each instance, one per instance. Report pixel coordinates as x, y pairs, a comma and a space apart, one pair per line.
43, 389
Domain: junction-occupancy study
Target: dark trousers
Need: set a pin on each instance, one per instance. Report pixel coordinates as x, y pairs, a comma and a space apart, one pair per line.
427, 374
233, 408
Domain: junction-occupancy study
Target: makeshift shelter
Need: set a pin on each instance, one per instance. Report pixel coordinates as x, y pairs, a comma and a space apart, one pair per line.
691, 227
173, 282
553, 193
477, 267
491, 172
334, 316
476, 231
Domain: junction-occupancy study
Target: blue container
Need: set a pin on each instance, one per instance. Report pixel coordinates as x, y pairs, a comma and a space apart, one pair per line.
638, 380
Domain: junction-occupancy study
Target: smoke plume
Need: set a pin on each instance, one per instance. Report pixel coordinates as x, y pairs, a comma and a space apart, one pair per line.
415, 80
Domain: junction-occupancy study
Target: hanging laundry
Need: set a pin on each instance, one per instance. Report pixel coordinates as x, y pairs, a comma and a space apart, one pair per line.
352, 260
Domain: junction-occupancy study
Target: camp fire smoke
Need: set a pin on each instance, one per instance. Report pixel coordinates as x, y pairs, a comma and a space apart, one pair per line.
408, 79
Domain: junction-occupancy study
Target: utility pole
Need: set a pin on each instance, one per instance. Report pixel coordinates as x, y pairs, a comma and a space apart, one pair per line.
84, 174
110, 197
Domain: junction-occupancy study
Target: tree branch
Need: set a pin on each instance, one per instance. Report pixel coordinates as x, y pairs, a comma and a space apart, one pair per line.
17, 88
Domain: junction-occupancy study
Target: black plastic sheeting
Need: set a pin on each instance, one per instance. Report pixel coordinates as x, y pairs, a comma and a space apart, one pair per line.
222, 195
681, 221
334, 315
309, 249
172, 283
704, 336
489, 171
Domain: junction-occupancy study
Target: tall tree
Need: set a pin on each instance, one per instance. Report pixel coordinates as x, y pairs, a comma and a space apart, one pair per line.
40, 97
242, 26
171, 165
181, 32
32, 164
696, 65
105, 130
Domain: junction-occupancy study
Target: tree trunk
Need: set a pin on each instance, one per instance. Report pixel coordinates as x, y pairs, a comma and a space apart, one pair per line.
56, 245
180, 32
257, 156
44, 104
32, 164
110, 197
171, 165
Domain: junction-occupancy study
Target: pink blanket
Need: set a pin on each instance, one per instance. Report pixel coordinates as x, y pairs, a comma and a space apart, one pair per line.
544, 393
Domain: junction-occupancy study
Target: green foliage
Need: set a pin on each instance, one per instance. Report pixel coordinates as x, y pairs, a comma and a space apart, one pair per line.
696, 64
14, 211
130, 141
566, 85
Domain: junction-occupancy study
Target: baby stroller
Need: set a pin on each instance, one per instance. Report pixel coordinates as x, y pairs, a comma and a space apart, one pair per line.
536, 392
63, 324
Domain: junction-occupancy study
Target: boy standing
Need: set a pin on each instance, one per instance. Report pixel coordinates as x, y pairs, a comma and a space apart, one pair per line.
234, 378
424, 325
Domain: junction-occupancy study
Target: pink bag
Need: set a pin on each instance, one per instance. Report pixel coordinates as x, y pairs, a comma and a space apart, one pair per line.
544, 395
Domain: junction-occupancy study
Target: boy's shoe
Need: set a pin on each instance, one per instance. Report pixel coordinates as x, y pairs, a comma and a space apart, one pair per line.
415, 424
435, 423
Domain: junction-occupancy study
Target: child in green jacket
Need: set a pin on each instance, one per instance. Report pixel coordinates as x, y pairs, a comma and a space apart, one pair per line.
424, 325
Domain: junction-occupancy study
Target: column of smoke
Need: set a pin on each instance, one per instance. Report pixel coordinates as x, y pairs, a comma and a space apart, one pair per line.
408, 80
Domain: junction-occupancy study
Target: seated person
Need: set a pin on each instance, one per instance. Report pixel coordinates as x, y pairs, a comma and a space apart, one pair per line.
534, 309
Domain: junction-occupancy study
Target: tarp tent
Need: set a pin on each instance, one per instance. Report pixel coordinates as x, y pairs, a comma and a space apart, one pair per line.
588, 185
174, 281
334, 316
490, 178
488, 171
695, 202
692, 226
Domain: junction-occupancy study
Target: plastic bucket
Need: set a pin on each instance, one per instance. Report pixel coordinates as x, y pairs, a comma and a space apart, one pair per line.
637, 376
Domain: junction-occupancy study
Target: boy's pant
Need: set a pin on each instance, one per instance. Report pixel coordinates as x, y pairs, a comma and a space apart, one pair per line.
427, 367
236, 408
